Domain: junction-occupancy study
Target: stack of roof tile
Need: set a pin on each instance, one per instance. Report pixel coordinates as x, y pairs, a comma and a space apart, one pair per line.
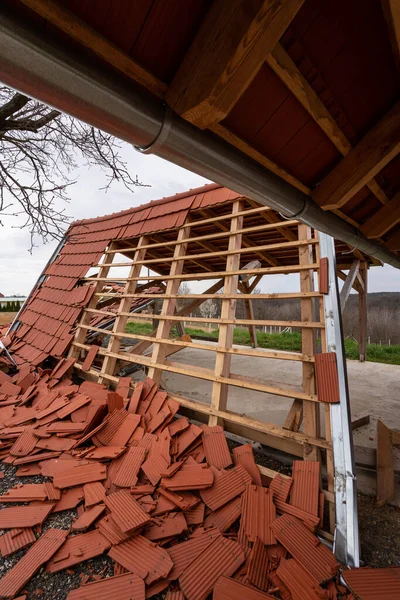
162, 497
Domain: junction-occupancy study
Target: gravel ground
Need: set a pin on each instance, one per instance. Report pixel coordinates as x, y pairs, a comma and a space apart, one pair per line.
379, 535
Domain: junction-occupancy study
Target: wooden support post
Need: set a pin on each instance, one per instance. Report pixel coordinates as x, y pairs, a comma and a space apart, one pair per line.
362, 314
114, 343
219, 396
348, 284
80, 334
294, 417
384, 463
311, 417
248, 304
169, 305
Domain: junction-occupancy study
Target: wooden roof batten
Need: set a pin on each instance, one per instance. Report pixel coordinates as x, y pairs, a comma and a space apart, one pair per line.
238, 43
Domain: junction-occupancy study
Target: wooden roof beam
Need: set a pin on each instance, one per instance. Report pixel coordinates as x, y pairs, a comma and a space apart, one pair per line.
225, 56
377, 148
384, 219
391, 11
283, 66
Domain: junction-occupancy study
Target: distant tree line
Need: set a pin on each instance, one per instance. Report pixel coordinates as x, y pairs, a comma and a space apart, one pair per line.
12, 306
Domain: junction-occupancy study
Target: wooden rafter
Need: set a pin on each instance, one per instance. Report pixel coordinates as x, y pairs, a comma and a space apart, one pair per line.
349, 283
378, 147
287, 71
391, 11
387, 217
225, 56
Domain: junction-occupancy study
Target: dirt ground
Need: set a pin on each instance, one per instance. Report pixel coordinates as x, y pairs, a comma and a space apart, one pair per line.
6, 317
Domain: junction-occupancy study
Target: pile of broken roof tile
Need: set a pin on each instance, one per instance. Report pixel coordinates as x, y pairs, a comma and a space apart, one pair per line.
164, 498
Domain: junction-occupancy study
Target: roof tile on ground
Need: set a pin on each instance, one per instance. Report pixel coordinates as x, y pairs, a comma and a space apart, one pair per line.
374, 584
26, 567
114, 421
126, 512
94, 493
184, 553
195, 516
79, 475
187, 437
153, 467
175, 596
224, 517
178, 426
105, 452
56, 443
172, 525
216, 447
299, 582
24, 516
122, 587
70, 498
158, 419
243, 455
311, 521
280, 487
230, 484
304, 493
88, 517
258, 514
157, 403
15, 539
257, 570
125, 430
284, 592
73, 405
25, 493
128, 470
189, 477
142, 557
114, 401
90, 356
24, 444
313, 556
230, 589
222, 557
77, 549
108, 527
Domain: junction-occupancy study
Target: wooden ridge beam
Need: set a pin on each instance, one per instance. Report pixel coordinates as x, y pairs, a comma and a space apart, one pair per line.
281, 63
384, 219
377, 148
225, 56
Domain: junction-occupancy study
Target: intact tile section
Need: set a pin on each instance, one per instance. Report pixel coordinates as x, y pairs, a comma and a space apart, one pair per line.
24, 516
258, 514
298, 581
108, 527
183, 554
257, 568
153, 467
123, 587
77, 549
94, 493
88, 517
190, 477
216, 447
327, 379
280, 487
127, 474
243, 455
15, 539
230, 589
126, 512
79, 475
142, 557
304, 493
41, 551
222, 557
230, 484
223, 518
313, 556
374, 584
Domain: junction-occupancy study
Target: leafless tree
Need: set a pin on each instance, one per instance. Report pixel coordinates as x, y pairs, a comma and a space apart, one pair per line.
39, 151
209, 310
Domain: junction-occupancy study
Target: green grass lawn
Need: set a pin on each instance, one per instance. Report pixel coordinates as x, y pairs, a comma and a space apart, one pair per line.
282, 341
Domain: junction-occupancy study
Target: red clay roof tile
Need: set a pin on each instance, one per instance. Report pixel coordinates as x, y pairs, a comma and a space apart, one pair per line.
326, 376
108, 527
243, 455
79, 475
311, 521
183, 500
257, 570
105, 452
195, 516
153, 467
299, 582
230, 484
70, 498
158, 419
122, 587
124, 432
216, 447
177, 426
128, 470
221, 557
230, 589
183, 554
172, 525
126, 512
77, 549
24, 516
94, 493
25, 443
113, 422
90, 356
114, 401
55, 443
258, 514
73, 405
15, 539
313, 556
187, 437
175, 596
26, 567
25, 493
374, 584
304, 493
224, 517
280, 487
88, 517
189, 477
142, 557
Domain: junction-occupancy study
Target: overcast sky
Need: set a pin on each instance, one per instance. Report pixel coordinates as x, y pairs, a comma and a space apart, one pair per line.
19, 270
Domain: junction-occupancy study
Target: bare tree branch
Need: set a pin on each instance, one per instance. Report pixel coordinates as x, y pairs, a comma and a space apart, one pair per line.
39, 150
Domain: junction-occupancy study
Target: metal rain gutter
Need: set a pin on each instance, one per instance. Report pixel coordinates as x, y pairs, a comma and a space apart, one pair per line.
43, 71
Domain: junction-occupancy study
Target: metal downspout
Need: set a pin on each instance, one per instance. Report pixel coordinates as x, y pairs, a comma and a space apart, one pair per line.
43, 71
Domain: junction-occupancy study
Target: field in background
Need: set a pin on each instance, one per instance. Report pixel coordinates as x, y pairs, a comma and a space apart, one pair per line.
283, 341
6, 317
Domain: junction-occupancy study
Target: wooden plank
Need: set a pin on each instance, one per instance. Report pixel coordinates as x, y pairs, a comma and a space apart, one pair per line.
205, 296
168, 307
348, 284
294, 417
385, 470
393, 242
362, 315
343, 277
391, 11
360, 421
71, 25
226, 54
378, 147
311, 425
250, 316
384, 219
219, 394
287, 71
